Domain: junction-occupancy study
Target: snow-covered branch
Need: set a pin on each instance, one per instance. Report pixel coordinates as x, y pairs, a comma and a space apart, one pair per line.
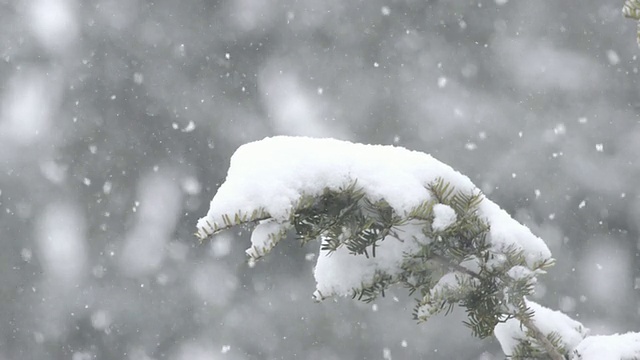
385, 215
631, 10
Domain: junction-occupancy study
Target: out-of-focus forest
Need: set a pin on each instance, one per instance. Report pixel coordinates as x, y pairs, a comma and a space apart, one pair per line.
118, 118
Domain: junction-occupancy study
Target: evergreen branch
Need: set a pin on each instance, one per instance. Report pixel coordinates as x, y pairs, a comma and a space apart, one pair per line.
451, 266
552, 351
447, 263
215, 229
441, 190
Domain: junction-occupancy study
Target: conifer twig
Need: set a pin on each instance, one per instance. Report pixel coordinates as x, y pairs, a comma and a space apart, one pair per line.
208, 235
553, 353
444, 261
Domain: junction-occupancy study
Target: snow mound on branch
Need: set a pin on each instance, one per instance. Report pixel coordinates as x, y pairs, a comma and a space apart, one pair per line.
511, 332
443, 217
339, 272
267, 178
609, 347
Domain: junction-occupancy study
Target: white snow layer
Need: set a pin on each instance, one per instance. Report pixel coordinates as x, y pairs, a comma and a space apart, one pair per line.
609, 347
268, 177
519, 272
449, 281
443, 217
511, 332
263, 237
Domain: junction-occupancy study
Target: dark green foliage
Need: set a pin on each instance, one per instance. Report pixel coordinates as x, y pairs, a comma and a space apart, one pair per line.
345, 218
369, 292
488, 294
530, 349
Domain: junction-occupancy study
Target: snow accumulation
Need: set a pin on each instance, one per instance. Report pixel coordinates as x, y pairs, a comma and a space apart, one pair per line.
511, 332
340, 272
573, 335
519, 272
443, 217
449, 281
267, 178
609, 347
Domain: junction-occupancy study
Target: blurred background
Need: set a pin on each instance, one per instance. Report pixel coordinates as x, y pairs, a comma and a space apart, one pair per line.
118, 118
